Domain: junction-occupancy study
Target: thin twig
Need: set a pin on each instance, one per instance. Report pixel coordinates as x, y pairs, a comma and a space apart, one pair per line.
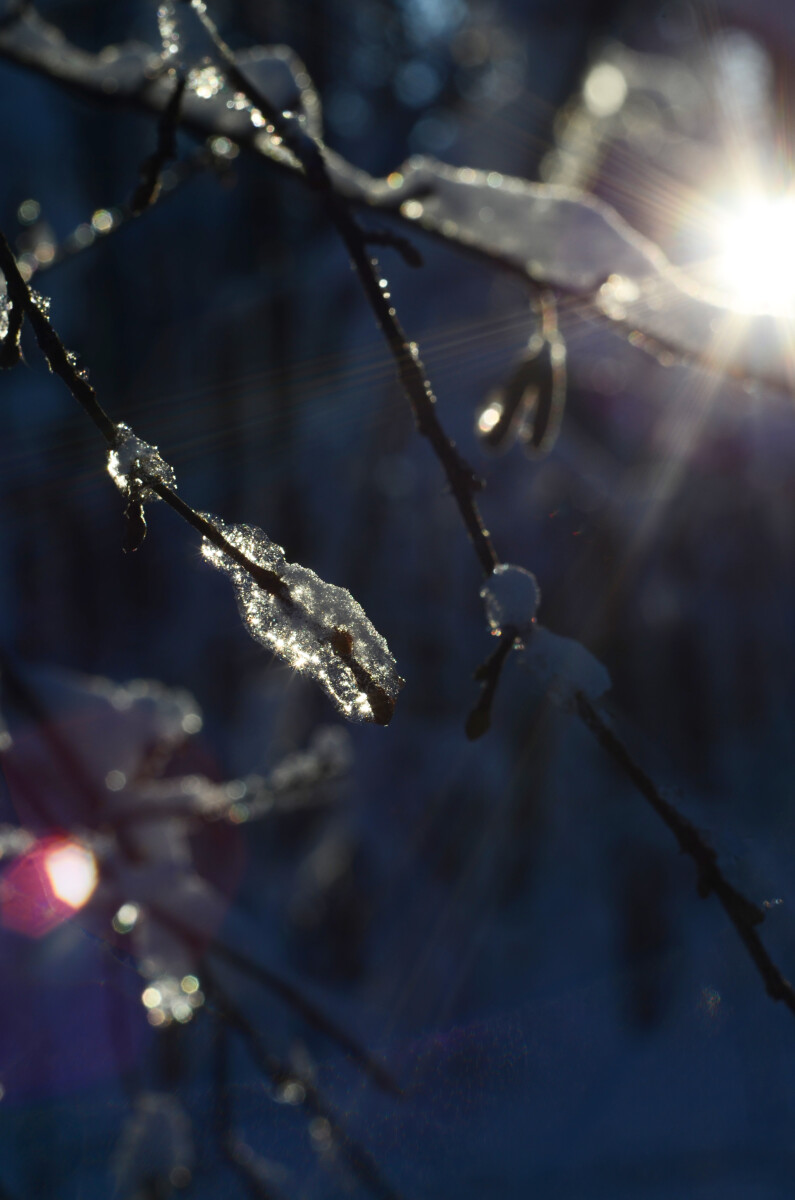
488, 674
412, 374
149, 185
404, 246
744, 915
358, 1159
179, 174
61, 363
51, 345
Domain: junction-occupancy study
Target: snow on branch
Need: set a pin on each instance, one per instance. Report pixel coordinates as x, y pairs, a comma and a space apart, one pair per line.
560, 237
554, 237
316, 627
321, 631
569, 240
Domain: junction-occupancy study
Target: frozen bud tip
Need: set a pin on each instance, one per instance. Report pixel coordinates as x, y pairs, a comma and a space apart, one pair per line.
132, 463
511, 596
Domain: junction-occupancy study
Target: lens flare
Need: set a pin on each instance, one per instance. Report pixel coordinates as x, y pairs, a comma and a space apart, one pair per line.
756, 260
48, 884
72, 872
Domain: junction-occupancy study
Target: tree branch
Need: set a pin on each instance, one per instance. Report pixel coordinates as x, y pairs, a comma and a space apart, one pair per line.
413, 377
744, 915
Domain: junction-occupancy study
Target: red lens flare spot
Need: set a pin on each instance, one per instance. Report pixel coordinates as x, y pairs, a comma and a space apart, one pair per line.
47, 885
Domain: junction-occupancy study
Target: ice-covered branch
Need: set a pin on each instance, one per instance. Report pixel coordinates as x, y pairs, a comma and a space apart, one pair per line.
314, 626
309, 151
560, 237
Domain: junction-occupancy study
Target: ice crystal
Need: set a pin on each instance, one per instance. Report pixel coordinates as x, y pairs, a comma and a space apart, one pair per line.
5, 308
42, 302
314, 626
511, 595
131, 462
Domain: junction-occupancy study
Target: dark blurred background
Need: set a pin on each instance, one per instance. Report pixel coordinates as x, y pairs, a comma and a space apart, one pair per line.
503, 921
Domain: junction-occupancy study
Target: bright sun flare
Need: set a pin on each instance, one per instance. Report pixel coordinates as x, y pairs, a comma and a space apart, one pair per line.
72, 872
756, 260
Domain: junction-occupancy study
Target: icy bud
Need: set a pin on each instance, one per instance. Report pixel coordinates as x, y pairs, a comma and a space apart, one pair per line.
547, 377
317, 628
506, 407
131, 462
511, 596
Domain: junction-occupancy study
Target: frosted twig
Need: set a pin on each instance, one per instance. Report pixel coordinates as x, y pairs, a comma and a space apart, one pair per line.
61, 364
51, 345
556, 236
354, 649
10, 351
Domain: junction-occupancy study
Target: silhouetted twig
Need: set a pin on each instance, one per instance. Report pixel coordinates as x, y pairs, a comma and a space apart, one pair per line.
744, 915
412, 374
404, 246
149, 184
488, 674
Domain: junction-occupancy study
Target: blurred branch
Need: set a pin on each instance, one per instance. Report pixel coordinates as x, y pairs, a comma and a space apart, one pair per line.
357, 1158
175, 178
291, 995
233, 1151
